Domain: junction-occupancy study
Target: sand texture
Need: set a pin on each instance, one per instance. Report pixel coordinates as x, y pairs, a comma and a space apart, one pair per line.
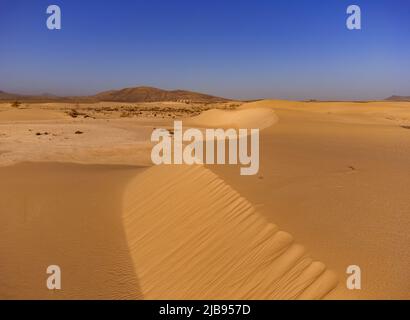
78, 189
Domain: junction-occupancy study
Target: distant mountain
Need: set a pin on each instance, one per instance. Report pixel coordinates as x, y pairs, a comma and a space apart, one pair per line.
137, 94
6, 96
150, 94
398, 98
9, 96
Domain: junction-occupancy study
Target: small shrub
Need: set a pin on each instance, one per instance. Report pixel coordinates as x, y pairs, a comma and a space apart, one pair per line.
16, 104
73, 113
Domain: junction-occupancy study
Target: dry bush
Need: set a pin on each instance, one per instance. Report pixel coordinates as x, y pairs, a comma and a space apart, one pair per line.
16, 104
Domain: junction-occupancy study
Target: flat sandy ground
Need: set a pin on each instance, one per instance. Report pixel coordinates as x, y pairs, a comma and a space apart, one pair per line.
78, 189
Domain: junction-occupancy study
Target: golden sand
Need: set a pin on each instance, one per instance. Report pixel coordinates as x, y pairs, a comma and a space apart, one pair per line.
333, 175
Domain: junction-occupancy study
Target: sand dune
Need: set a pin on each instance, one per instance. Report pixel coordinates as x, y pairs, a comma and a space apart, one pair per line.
334, 175
245, 118
117, 232
213, 245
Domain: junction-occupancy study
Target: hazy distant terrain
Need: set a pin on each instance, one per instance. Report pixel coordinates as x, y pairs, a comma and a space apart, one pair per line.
136, 94
398, 98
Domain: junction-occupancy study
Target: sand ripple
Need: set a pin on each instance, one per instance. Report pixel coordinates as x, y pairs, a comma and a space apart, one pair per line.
191, 236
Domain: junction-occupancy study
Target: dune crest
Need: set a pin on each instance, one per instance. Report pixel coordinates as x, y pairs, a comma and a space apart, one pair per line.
214, 246
258, 118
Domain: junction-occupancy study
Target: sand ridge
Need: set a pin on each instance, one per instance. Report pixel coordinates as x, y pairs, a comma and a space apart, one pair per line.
244, 118
215, 246
124, 239
335, 175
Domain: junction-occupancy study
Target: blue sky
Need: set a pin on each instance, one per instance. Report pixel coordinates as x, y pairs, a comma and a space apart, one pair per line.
246, 49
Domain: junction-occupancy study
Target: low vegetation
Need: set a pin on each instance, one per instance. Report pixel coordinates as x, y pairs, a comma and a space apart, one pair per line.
16, 104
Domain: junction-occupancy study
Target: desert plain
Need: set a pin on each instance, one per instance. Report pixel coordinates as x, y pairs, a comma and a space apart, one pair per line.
78, 190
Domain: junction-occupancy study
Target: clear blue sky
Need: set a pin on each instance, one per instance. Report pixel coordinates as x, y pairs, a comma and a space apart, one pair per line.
290, 49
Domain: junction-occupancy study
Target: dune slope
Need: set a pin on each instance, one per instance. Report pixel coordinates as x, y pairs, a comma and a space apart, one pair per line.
191, 236
260, 118
124, 233
335, 175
